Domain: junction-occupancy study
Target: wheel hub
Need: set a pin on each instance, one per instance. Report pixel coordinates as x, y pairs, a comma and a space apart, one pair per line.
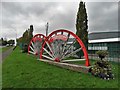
57, 59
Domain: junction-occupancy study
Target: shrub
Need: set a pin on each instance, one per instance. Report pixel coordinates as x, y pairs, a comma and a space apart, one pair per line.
102, 54
25, 48
102, 69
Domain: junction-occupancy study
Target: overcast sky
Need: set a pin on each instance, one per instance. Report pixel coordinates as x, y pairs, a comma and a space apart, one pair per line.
18, 16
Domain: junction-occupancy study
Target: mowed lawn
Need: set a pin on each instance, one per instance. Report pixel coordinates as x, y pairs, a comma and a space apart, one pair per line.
20, 70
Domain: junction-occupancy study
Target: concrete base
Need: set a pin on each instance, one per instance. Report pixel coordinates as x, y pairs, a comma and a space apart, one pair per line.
74, 67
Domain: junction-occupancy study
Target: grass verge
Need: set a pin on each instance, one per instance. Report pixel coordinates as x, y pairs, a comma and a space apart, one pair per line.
20, 70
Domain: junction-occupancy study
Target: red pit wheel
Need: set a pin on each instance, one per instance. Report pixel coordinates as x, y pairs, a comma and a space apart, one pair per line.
58, 46
36, 44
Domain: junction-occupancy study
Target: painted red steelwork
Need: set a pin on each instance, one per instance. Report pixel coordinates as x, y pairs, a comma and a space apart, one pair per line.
59, 36
34, 39
75, 36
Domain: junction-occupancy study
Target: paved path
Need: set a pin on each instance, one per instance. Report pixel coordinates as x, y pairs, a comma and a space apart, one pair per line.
5, 54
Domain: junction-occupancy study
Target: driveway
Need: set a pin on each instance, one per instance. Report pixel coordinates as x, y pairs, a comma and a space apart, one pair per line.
5, 54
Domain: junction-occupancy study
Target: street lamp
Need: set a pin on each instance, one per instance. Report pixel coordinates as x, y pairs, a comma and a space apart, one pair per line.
47, 25
15, 37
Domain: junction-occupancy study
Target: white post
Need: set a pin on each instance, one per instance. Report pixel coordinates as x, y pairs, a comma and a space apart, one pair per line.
16, 38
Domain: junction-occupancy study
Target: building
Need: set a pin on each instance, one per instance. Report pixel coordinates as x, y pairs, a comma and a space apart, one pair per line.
109, 41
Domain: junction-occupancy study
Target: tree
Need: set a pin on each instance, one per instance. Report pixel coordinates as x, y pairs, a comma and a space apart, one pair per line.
25, 39
30, 32
2, 39
11, 42
27, 35
81, 26
4, 42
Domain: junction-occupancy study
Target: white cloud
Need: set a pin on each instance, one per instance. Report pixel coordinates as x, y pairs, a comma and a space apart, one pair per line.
20, 15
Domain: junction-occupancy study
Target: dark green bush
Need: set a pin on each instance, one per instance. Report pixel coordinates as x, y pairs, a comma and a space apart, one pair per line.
102, 54
102, 69
25, 48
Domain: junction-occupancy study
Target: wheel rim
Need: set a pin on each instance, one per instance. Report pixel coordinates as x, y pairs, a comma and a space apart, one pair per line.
56, 46
36, 44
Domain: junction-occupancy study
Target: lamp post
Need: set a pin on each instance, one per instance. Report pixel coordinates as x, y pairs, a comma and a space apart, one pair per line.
47, 29
15, 36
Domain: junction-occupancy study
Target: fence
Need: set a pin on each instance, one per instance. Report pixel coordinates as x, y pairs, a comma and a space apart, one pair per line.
95, 57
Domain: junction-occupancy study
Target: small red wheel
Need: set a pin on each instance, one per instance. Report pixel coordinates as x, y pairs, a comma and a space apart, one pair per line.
36, 44
57, 46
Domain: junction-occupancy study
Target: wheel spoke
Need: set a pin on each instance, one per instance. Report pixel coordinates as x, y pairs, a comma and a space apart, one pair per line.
57, 50
53, 49
47, 57
50, 48
32, 44
67, 55
68, 48
73, 60
32, 49
65, 44
48, 52
31, 52
71, 45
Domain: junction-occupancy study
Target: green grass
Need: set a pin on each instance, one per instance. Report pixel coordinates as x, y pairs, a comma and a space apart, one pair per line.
5, 49
0, 75
20, 70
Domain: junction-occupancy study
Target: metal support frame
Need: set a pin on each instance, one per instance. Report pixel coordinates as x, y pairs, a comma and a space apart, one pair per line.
76, 38
62, 51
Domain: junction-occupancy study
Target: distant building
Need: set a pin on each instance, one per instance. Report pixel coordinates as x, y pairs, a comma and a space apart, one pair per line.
109, 41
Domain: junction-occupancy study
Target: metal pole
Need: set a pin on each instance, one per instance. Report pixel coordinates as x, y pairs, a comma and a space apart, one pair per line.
15, 37
47, 29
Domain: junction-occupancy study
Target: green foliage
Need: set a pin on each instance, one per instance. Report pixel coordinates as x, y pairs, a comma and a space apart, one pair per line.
3, 42
102, 69
11, 42
25, 48
81, 26
81, 23
25, 39
102, 54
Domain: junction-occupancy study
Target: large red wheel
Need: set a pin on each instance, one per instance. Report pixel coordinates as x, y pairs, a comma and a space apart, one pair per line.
58, 46
36, 44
